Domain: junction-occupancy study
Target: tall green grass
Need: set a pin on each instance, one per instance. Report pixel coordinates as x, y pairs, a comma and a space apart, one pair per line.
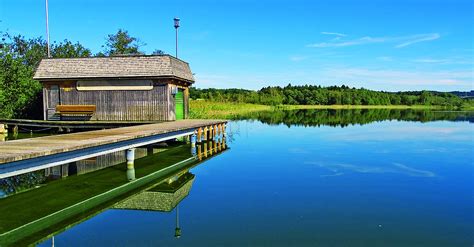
201, 109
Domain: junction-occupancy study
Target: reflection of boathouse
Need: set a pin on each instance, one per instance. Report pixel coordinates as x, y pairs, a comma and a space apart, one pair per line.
163, 197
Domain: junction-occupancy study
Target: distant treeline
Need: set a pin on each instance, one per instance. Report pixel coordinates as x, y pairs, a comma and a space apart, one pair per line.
346, 117
333, 95
469, 94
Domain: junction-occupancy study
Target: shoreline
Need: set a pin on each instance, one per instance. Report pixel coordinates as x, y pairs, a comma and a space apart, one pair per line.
211, 109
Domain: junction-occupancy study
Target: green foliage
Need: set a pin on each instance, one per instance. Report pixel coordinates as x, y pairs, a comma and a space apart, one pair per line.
20, 95
69, 50
158, 52
334, 95
17, 87
121, 43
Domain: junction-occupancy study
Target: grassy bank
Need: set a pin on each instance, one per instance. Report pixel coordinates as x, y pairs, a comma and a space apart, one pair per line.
209, 109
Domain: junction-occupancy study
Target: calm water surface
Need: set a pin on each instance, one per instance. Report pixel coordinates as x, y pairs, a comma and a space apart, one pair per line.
297, 183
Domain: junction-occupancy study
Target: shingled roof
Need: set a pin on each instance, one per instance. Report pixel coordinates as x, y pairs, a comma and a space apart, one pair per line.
155, 66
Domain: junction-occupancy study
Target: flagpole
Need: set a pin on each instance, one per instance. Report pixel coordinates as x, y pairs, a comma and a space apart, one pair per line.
47, 28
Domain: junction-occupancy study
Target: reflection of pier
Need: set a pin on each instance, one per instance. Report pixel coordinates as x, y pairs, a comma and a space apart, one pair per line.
161, 185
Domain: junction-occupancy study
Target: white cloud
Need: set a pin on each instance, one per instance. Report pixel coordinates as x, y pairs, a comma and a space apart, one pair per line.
298, 58
401, 78
406, 41
429, 60
385, 58
361, 41
333, 33
451, 60
419, 38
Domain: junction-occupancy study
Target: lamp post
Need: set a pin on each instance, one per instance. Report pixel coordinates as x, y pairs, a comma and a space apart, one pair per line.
177, 230
47, 28
176, 26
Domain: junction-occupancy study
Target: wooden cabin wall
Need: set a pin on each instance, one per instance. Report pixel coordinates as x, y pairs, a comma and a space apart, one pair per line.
146, 105
157, 104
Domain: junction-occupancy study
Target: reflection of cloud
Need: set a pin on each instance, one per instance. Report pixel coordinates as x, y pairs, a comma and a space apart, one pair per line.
432, 150
332, 175
406, 133
298, 151
413, 171
337, 168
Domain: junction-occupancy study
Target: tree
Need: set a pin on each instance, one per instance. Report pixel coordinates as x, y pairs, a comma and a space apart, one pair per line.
158, 52
17, 88
67, 50
121, 43
20, 95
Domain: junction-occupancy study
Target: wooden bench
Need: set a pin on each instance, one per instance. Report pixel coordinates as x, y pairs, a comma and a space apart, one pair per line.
75, 110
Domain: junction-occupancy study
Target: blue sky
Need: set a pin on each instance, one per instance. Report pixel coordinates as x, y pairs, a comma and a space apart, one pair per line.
382, 45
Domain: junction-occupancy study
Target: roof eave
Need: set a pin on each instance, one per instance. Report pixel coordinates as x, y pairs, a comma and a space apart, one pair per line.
44, 79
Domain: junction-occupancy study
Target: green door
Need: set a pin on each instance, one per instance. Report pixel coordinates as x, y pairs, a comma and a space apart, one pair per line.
179, 103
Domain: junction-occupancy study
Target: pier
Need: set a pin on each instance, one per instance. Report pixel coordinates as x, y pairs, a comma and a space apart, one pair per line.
27, 155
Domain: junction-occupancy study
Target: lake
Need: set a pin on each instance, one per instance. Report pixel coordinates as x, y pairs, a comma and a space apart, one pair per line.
283, 178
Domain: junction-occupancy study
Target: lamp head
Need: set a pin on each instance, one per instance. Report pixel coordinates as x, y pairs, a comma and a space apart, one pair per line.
176, 22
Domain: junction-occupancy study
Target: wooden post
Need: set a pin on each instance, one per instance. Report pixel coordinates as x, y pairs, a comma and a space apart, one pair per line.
199, 135
205, 149
205, 133
215, 146
3, 129
199, 152
15, 129
211, 132
193, 140
149, 150
210, 148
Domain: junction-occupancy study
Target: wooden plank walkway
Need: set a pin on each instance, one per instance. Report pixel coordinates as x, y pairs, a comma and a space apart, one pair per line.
24, 149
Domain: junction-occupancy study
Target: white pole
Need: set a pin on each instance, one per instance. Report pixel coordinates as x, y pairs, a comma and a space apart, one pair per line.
47, 28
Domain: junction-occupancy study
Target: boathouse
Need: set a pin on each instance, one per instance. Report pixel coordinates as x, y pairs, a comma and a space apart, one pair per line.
122, 88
